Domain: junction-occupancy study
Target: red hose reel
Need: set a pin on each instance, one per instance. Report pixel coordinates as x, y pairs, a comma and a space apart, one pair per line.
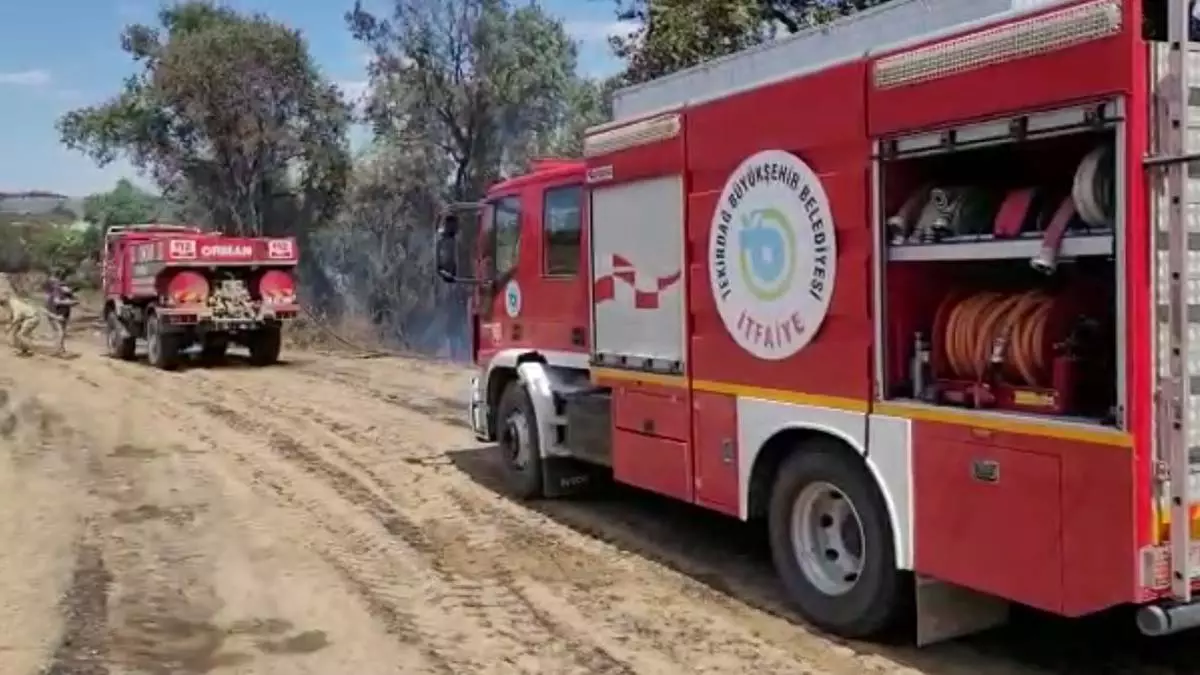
1016, 350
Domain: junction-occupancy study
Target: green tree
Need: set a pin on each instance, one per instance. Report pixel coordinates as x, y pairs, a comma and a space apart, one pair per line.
125, 204
227, 113
671, 35
463, 93
485, 82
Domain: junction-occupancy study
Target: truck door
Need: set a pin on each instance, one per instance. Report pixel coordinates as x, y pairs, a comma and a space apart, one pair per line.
555, 311
538, 298
500, 302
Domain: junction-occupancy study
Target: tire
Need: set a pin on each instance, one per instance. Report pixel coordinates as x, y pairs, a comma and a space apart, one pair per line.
265, 345
518, 441
859, 600
162, 348
121, 345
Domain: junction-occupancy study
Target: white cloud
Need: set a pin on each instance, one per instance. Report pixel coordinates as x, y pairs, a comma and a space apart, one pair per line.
26, 78
598, 31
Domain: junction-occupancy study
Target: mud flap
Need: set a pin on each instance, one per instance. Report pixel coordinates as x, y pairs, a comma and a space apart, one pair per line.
946, 611
566, 477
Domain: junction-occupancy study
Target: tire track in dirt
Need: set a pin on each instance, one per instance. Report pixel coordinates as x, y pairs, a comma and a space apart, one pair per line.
369, 434
123, 607
349, 551
496, 533
160, 630
369, 567
484, 603
591, 658
83, 647
440, 408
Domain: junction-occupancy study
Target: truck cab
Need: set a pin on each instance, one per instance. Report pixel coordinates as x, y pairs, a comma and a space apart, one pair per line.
532, 252
527, 246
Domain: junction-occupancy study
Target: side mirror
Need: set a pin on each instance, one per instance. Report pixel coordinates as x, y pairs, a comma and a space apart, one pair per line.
446, 248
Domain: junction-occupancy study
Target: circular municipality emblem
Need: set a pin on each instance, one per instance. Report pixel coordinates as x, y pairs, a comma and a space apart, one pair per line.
512, 298
772, 254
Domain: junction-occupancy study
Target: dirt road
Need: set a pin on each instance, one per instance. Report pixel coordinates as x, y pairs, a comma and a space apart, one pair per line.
332, 516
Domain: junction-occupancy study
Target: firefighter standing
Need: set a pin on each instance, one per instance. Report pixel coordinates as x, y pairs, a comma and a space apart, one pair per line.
60, 298
23, 318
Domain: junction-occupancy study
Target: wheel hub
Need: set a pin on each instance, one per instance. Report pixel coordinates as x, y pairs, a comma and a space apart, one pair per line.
827, 538
516, 441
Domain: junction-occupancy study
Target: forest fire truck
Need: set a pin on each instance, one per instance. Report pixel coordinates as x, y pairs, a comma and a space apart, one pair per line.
179, 286
931, 309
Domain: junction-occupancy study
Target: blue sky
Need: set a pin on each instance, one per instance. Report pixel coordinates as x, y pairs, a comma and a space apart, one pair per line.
56, 55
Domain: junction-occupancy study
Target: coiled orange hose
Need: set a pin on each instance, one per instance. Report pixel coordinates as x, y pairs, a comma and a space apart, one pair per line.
973, 324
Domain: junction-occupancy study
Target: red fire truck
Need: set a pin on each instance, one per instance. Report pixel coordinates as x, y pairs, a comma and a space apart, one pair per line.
918, 288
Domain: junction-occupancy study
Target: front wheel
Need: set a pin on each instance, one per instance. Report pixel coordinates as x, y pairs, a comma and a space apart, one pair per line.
831, 542
519, 443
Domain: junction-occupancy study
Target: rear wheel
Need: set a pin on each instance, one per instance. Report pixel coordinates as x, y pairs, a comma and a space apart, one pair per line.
519, 442
162, 347
265, 345
121, 344
831, 541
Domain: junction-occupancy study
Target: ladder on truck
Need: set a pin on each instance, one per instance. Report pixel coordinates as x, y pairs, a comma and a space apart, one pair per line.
1179, 388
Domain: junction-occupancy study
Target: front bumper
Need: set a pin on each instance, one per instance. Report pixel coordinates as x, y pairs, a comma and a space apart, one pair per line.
477, 412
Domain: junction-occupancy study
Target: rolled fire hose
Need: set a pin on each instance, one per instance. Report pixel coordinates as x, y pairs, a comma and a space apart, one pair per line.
974, 323
1014, 212
1093, 187
931, 212
1092, 201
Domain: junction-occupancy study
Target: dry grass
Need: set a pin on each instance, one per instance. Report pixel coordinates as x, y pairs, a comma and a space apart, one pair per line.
346, 334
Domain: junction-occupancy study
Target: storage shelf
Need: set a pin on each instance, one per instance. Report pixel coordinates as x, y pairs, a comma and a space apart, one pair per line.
993, 415
999, 249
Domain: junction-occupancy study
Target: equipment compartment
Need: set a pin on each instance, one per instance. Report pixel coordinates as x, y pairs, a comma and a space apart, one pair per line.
998, 282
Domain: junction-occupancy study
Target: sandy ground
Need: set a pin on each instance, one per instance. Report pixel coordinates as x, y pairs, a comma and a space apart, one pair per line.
332, 515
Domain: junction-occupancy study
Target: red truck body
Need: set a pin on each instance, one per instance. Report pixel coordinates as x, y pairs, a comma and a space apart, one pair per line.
176, 286
651, 358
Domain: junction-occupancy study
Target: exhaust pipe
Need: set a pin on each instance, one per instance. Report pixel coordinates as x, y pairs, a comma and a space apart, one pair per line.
1160, 620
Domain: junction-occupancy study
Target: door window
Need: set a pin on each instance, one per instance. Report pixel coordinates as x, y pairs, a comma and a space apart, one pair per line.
562, 222
506, 228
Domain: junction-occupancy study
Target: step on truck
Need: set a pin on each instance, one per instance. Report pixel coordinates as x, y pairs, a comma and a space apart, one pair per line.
179, 287
919, 289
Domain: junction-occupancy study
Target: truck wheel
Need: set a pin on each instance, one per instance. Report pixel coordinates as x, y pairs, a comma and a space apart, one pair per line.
519, 444
265, 345
121, 344
831, 541
162, 348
